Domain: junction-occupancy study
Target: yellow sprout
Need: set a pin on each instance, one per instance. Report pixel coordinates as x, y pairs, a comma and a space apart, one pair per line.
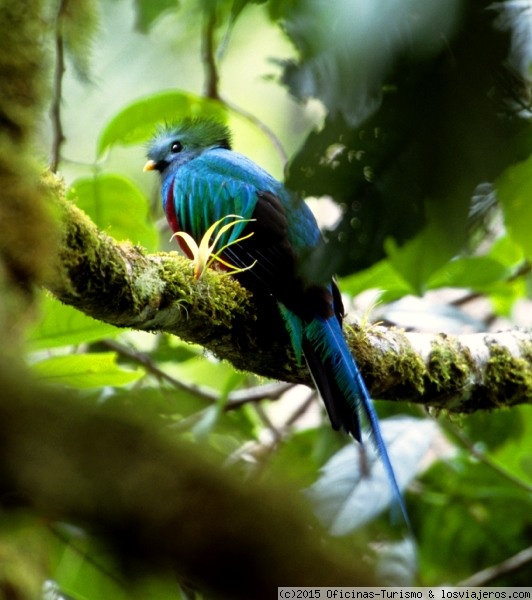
203, 255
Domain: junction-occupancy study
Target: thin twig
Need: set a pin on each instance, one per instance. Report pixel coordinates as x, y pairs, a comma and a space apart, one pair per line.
301, 409
523, 270
276, 142
56, 532
211, 89
269, 391
517, 561
146, 361
208, 55
57, 93
236, 399
276, 434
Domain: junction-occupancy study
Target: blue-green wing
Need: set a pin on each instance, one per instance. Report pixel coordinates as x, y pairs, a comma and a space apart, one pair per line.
203, 194
219, 183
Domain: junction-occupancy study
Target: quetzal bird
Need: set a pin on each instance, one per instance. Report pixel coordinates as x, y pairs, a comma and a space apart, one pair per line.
203, 181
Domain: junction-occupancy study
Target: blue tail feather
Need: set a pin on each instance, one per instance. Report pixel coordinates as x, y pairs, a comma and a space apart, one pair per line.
325, 342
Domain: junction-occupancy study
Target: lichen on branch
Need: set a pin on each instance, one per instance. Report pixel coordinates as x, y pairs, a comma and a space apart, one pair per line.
122, 285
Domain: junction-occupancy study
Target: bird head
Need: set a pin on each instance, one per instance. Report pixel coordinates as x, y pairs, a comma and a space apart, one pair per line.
178, 143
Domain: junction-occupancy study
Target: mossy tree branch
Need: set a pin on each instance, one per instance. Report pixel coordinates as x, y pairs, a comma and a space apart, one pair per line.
159, 505
122, 285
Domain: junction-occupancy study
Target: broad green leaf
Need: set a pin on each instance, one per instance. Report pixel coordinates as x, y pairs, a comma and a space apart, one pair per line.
159, 399
345, 497
514, 191
117, 206
79, 566
516, 454
164, 347
421, 256
493, 429
136, 122
504, 294
63, 325
148, 11
300, 456
239, 5
84, 370
506, 251
474, 272
478, 505
380, 276
220, 376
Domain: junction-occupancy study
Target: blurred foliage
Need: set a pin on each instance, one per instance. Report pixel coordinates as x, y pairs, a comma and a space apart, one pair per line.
424, 104
441, 112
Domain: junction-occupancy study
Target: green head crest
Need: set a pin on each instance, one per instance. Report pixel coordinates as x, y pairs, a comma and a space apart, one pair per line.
183, 140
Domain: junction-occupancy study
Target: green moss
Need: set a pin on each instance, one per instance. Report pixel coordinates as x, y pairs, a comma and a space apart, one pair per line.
397, 366
409, 366
508, 378
216, 296
449, 365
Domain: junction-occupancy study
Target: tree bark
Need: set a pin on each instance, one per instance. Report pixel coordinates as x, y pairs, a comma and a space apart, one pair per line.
124, 286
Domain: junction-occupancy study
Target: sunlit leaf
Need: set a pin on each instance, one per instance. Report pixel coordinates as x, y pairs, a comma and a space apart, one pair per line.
506, 251
345, 498
117, 206
135, 123
212, 374
63, 325
380, 276
84, 370
474, 272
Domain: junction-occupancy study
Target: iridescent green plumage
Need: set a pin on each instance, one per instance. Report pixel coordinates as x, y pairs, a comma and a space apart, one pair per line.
203, 180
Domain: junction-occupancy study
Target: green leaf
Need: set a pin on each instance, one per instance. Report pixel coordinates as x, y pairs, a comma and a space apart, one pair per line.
239, 5
148, 11
220, 376
84, 370
380, 276
478, 506
63, 325
345, 497
157, 399
117, 206
300, 456
418, 259
504, 294
136, 122
506, 251
514, 191
475, 272
493, 429
516, 452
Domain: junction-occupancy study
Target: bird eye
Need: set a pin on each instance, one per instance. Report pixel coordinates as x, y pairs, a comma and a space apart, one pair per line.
176, 147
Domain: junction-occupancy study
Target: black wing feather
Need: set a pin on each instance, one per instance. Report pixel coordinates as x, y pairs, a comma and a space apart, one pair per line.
275, 273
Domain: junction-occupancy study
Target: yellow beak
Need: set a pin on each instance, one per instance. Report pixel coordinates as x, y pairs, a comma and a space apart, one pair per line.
150, 166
